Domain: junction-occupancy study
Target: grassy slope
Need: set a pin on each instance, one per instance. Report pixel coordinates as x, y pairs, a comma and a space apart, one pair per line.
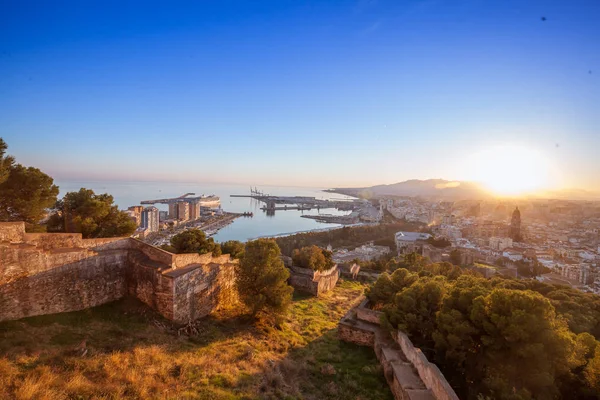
128, 356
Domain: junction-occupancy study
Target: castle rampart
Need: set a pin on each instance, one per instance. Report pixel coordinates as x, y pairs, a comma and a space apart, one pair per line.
45, 273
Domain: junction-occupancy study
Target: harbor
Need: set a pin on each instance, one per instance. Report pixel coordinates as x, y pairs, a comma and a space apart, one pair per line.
255, 223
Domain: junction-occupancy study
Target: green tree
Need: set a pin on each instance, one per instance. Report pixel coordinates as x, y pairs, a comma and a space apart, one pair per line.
261, 279
313, 257
234, 248
457, 339
6, 162
195, 241
414, 309
92, 215
386, 286
526, 346
26, 193
413, 261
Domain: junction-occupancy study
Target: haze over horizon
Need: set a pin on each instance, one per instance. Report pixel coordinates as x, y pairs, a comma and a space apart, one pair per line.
342, 94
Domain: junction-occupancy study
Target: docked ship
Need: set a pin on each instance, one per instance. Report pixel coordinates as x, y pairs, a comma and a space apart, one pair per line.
211, 201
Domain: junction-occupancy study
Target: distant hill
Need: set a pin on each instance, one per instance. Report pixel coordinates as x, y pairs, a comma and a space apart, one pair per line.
430, 188
442, 189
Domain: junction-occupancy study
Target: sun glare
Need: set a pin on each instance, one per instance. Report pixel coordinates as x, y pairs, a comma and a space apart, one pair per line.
510, 170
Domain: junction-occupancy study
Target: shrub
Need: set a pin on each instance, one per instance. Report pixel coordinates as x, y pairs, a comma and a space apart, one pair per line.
261, 279
313, 257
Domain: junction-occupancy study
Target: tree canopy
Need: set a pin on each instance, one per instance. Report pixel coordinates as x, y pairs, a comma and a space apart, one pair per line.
497, 338
261, 279
313, 257
194, 241
93, 215
234, 248
6, 161
25, 194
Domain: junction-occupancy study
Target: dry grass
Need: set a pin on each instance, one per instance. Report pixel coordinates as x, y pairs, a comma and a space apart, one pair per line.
126, 356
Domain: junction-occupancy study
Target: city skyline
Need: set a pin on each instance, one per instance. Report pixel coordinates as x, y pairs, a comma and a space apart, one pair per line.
338, 94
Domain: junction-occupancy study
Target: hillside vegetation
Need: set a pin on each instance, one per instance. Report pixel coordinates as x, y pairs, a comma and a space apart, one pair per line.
123, 350
497, 338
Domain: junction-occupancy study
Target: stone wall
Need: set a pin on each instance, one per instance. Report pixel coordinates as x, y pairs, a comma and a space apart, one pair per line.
12, 231
72, 286
364, 313
48, 241
354, 333
201, 288
408, 372
313, 282
147, 283
154, 253
430, 374
52, 273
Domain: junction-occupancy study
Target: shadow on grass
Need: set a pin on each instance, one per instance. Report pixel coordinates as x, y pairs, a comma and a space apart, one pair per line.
122, 325
326, 368
229, 358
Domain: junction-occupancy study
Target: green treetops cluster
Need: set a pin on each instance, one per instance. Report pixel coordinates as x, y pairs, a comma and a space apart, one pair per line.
261, 280
25, 192
93, 215
313, 257
194, 241
497, 338
234, 248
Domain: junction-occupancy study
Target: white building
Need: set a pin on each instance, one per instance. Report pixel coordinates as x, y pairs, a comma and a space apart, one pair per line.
150, 220
406, 242
500, 243
450, 231
363, 253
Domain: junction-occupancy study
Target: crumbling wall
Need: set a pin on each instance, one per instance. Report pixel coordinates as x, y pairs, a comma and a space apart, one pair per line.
314, 282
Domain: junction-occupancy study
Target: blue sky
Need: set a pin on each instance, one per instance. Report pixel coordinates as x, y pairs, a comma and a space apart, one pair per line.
335, 93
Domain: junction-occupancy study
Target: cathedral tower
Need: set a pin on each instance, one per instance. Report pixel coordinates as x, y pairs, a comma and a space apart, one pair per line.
515, 225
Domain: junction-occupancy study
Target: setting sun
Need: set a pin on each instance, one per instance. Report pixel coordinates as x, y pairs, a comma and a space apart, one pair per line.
510, 170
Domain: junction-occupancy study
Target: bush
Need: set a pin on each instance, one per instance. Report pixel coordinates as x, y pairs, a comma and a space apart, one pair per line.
313, 257
194, 241
261, 279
